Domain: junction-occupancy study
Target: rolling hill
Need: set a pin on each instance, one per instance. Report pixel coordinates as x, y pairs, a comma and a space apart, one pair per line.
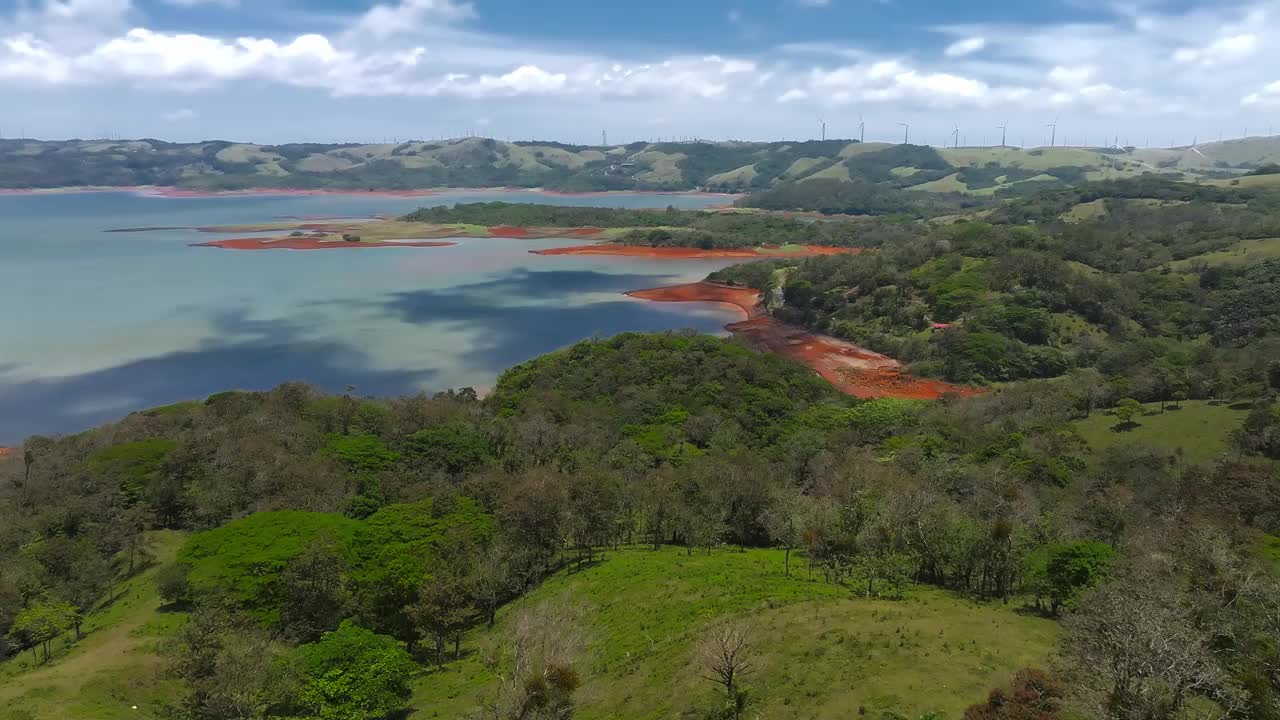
483, 162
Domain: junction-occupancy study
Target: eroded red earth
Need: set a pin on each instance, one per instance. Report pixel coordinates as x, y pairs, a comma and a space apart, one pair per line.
851, 369
308, 243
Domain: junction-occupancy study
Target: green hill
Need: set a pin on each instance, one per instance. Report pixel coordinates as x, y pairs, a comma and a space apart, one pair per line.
823, 650
484, 162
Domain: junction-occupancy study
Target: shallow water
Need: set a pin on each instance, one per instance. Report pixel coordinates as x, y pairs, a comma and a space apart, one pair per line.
95, 325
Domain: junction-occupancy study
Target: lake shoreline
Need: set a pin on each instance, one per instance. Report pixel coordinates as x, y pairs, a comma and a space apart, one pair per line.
312, 243
693, 253
165, 191
849, 368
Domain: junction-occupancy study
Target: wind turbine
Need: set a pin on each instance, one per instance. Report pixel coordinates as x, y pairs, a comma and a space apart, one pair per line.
906, 136
955, 137
1053, 139
1004, 132
824, 129
862, 129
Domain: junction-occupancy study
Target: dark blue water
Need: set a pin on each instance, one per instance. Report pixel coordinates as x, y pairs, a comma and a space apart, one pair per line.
96, 325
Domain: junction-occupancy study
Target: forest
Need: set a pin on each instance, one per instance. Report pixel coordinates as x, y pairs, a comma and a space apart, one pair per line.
456, 555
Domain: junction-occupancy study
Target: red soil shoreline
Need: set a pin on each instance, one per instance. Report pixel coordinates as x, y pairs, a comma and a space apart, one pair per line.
688, 253
851, 369
304, 243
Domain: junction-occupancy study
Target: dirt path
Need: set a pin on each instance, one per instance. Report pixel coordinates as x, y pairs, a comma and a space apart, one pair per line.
119, 646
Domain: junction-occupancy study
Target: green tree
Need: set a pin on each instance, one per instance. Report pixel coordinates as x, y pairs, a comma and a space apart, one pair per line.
89, 580
41, 622
1125, 411
230, 666
1074, 569
444, 610
353, 674
314, 588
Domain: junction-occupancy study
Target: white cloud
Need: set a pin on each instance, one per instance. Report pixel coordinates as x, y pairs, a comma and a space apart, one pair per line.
196, 3
1221, 51
408, 16
1268, 96
1071, 77
1214, 61
793, 95
893, 81
181, 115
967, 46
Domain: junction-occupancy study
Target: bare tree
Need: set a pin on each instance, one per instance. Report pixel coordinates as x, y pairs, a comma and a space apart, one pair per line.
1137, 649
785, 520
726, 656
535, 665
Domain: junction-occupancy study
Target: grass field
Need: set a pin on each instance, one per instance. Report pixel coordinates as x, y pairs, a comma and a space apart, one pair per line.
741, 176
111, 670
1200, 429
1240, 253
950, 183
823, 652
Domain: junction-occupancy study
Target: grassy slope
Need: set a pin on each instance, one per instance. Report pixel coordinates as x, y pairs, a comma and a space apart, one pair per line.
1240, 253
824, 652
1201, 430
112, 669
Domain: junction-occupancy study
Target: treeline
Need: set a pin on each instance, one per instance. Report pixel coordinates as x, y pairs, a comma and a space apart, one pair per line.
859, 197
670, 227
340, 537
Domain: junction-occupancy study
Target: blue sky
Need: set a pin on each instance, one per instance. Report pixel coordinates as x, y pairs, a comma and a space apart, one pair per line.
337, 70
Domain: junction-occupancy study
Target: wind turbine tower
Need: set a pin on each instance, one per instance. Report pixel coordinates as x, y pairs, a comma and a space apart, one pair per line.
824, 129
955, 137
862, 129
906, 133
1004, 132
1053, 138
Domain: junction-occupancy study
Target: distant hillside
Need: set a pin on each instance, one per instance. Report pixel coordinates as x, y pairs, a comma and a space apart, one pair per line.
482, 162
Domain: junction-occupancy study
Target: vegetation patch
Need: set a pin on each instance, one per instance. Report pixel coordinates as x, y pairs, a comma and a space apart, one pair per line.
822, 651
1198, 430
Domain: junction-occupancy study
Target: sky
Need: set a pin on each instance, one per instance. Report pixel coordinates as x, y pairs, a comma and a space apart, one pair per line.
1148, 72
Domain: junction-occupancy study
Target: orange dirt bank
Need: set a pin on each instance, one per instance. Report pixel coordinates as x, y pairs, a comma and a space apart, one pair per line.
851, 369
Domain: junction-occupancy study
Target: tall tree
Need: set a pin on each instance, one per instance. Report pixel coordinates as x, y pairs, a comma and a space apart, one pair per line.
445, 609
314, 584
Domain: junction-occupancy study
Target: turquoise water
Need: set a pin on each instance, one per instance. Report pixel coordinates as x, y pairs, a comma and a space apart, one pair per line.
95, 325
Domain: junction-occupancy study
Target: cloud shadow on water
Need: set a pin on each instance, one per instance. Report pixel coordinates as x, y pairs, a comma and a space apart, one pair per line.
245, 354
511, 333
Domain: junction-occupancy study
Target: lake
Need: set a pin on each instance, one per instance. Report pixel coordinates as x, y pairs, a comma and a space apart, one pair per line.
96, 325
